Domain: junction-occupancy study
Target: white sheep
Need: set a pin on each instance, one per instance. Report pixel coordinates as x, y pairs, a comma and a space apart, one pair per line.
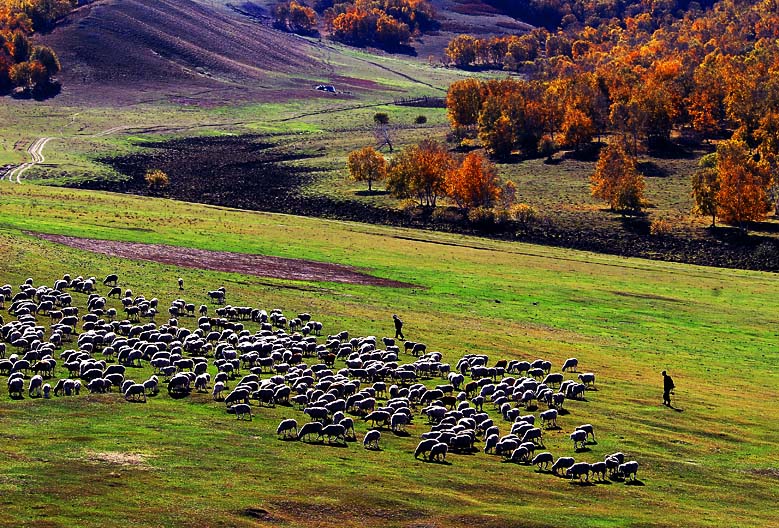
371, 440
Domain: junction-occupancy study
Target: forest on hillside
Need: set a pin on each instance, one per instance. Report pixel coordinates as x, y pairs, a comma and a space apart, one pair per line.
639, 72
23, 64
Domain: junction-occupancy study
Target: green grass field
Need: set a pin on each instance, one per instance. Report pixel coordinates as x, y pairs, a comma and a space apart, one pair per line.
97, 461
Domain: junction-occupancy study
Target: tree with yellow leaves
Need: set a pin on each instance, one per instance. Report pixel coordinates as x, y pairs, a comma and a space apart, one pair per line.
743, 184
474, 183
367, 164
616, 180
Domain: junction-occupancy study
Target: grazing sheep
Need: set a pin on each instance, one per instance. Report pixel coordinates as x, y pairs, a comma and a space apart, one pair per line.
378, 417
333, 431
490, 443
241, 410
533, 435
111, 280
286, 428
318, 414
599, 468
309, 429
34, 389
219, 388
562, 463
424, 447
587, 378
628, 469
578, 437
553, 379
570, 363
612, 464
371, 439
579, 470
16, 387
151, 385
398, 422
549, 418
46, 391
519, 455
543, 459
462, 443
135, 391
438, 452
589, 429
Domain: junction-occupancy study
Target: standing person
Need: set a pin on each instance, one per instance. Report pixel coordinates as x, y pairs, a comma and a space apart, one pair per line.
668, 387
398, 327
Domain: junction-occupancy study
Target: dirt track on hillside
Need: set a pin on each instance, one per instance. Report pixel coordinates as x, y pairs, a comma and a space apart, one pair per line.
257, 265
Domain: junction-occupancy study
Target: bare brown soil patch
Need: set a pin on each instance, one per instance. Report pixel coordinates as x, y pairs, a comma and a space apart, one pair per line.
257, 265
117, 458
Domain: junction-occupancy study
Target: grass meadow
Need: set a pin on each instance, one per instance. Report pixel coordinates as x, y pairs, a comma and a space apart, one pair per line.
98, 461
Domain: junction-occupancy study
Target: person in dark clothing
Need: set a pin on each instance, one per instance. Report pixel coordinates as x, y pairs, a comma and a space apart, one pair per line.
398, 327
668, 387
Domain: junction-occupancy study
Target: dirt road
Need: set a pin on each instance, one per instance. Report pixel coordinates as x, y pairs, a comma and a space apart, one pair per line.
36, 154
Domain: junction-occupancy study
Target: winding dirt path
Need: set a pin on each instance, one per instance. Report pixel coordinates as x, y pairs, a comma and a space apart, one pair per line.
256, 265
36, 153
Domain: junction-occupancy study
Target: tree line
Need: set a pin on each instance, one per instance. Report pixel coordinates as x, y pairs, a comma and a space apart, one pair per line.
387, 24
22, 63
638, 78
427, 171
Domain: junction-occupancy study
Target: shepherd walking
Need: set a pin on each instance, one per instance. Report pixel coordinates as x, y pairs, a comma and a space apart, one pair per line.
668, 388
398, 327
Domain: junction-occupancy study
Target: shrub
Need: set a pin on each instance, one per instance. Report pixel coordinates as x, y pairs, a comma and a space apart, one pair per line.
660, 227
420, 120
156, 180
502, 216
482, 217
381, 118
523, 213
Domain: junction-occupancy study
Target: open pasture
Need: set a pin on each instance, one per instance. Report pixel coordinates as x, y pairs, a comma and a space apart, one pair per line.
186, 462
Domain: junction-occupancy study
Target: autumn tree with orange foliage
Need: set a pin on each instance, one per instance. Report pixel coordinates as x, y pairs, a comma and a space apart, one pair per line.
21, 63
368, 165
743, 184
420, 171
388, 24
616, 180
474, 183
295, 17
463, 102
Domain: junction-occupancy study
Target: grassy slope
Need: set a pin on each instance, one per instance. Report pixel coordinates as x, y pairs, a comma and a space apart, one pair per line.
624, 319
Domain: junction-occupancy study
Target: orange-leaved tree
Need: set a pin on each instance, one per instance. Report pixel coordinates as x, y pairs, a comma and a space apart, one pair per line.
743, 184
420, 171
366, 164
616, 180
463, 102
474, 183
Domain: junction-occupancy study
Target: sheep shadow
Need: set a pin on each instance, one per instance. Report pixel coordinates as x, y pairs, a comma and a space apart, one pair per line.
441, 462
16, 397
291, 439
402, 434
553, 428
178, 395
582, 483
635, 482
336, 444
584, 449
376, 449
563, 412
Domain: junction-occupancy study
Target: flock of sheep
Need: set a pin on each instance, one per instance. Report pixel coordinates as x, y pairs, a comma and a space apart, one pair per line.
284, 363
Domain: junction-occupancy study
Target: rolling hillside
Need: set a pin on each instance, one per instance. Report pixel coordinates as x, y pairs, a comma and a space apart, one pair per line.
116, 47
